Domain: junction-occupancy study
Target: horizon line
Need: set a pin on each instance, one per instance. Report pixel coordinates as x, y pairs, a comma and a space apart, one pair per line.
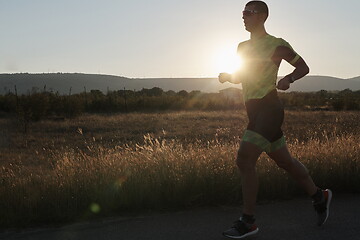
171, 77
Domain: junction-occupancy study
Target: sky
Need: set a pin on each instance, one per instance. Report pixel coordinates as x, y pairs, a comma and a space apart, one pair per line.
169, 38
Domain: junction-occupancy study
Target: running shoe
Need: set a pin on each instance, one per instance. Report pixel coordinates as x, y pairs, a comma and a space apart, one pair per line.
322, 207
241, 230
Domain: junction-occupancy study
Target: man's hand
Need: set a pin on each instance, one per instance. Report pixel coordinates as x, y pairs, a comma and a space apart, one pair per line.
284, 83
224, 77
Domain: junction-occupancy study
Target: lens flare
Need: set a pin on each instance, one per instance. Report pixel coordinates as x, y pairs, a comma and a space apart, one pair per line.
226, 60
95, 208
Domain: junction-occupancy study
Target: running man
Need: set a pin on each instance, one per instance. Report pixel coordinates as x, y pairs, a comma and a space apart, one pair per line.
262, 55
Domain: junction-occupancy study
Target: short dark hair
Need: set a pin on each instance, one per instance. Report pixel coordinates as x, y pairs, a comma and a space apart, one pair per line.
259, 6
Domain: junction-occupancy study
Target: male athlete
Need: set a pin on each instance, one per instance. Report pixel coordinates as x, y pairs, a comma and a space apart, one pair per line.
262, 55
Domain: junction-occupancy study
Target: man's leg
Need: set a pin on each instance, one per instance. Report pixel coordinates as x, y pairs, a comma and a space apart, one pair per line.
296, 169
247, 156
246, 160
321, 198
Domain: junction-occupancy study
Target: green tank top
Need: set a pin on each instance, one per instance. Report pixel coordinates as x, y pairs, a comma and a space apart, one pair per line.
259, 71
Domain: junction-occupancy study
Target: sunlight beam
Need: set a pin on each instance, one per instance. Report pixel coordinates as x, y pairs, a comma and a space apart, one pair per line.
226, 60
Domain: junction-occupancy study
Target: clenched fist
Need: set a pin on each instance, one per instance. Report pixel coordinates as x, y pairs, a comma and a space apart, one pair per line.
284, 83
224, 77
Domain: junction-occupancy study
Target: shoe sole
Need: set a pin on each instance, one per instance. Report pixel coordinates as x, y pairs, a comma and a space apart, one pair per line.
327, 205
243, 236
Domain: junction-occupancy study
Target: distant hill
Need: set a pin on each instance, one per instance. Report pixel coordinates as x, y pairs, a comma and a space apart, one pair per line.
317, 83
62, 82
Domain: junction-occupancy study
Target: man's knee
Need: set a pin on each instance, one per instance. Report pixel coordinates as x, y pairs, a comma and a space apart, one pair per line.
295, 166
286, 163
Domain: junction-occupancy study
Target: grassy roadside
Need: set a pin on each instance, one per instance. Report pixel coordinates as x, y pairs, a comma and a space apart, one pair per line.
88, 177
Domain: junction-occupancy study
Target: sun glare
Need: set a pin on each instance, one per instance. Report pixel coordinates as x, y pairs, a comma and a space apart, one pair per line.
226, 60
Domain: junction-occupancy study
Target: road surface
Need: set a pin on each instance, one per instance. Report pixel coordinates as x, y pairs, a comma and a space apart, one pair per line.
288, 220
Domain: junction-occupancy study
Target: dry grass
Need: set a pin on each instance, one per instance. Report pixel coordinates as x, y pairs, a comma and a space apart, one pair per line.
101, 165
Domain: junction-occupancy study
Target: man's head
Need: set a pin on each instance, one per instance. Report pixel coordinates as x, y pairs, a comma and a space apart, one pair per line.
255, 14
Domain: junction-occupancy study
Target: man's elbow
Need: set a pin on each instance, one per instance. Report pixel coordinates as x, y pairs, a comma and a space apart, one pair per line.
302, 68
306, 70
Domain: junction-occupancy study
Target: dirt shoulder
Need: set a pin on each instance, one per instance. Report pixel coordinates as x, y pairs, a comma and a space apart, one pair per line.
293, 219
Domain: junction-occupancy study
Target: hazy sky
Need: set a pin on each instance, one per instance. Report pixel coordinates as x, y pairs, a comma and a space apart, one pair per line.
169, 38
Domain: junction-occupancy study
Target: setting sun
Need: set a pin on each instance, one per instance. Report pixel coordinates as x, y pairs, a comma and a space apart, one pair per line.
226, 60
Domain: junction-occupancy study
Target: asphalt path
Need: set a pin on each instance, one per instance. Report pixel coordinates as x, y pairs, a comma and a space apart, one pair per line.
288, 220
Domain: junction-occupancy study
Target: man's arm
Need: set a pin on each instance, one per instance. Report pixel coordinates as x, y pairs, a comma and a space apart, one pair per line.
235, 77
232, 78
301, 68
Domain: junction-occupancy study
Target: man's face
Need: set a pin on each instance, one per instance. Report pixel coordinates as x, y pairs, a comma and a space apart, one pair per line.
252, 18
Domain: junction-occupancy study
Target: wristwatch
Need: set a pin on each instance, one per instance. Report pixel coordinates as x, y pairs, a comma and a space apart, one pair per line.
292, 79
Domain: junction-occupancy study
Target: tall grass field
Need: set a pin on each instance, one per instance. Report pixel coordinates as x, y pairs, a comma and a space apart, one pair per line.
106, 165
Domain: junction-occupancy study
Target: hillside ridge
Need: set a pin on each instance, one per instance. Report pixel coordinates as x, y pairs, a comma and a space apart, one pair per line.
66, 83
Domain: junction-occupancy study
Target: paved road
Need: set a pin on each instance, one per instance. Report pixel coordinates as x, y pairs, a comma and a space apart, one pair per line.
288, 220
